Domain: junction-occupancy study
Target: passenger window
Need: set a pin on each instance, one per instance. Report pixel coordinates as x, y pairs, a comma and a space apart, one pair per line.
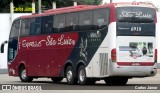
85, 20
15, 29
35, 26
32, 27
59, 23
25, 27
72, 22
47, 22
100, 18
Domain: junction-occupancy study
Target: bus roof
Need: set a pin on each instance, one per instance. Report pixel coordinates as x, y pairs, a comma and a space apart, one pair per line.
67, 10
86, 7
143, 4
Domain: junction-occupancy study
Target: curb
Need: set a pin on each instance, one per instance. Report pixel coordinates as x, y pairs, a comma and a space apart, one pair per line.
3, 71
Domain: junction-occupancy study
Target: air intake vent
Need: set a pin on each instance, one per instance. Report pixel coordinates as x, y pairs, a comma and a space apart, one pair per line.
103, 63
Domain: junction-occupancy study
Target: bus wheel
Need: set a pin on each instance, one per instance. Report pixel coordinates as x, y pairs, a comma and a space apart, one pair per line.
70, 75
82, 77
56, 79
23, 76
116, 80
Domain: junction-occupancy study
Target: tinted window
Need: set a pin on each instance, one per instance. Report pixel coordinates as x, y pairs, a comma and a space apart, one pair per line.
85, 20
15, 29
72, 22
59, 23
35, 26
13, 40
100, 18
135, 14
25, 27
135, 29
47, 22
32, 26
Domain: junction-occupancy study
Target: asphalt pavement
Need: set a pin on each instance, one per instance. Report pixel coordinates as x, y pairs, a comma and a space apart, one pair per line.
45, 85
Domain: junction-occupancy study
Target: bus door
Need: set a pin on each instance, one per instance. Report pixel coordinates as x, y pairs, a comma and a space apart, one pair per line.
13, 43
13, 40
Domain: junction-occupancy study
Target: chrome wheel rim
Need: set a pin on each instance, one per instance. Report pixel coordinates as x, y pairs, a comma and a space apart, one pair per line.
23, 75
69, 75
82, 75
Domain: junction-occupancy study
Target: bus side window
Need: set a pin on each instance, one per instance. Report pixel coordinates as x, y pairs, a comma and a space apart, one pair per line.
25, 27
46, 24
85, 20
32, 26
35, 26
72, 22
100, 18
59, 23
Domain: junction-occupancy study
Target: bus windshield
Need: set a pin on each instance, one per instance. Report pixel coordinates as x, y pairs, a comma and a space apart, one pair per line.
135, 14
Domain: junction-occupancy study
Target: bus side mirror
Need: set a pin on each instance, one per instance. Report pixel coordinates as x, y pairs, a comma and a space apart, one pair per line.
2, 46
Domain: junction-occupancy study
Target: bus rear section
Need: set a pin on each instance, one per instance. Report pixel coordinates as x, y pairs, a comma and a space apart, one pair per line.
135, 42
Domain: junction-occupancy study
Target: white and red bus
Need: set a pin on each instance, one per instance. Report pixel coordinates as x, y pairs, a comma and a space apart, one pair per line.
112, 42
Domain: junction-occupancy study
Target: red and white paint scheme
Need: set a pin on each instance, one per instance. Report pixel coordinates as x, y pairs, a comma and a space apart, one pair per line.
112, 42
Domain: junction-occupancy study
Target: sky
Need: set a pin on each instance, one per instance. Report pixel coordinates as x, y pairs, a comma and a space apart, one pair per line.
155, 2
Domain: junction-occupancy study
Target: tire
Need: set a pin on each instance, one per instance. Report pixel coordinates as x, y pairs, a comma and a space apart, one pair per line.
82, 77
116, 80
70, 76
56, 79
23, 77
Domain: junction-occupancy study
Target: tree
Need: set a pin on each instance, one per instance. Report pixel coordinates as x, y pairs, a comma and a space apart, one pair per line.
4, 6
46, 4
90, 2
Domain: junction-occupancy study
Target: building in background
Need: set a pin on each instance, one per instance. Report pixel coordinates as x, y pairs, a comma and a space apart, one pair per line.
5, 25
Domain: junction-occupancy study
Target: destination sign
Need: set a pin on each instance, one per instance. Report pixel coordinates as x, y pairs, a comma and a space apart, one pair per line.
135, 14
